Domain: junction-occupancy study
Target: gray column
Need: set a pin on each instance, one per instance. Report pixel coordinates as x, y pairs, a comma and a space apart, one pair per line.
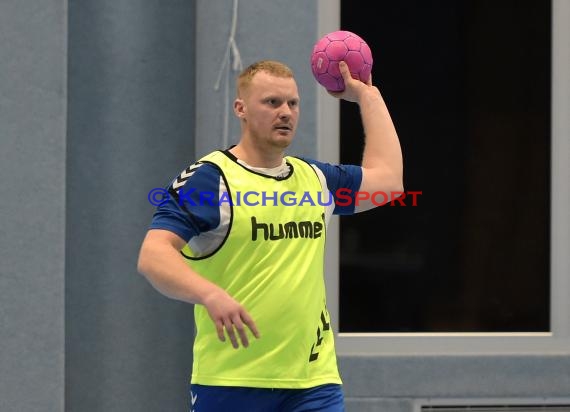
131, 98
32, 204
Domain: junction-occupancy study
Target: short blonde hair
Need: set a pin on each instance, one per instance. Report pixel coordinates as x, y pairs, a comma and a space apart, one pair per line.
272, 67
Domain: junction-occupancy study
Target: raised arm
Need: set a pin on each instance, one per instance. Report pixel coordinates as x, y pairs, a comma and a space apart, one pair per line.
382, 166
164, 267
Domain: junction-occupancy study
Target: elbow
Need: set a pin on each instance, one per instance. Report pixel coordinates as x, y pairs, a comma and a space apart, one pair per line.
397, 185
399, 181
141, 267
401, 187
143, 262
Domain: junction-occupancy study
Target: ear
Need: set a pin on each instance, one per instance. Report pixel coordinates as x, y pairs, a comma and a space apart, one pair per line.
239, 108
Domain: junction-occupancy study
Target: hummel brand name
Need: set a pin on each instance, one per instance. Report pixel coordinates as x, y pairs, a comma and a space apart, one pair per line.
289, 230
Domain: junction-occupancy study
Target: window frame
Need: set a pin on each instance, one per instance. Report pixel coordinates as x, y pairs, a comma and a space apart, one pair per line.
558, 339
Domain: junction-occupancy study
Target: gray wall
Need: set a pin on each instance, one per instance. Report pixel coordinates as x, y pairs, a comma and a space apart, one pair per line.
33, 39
130, 129
399, 383
281, 30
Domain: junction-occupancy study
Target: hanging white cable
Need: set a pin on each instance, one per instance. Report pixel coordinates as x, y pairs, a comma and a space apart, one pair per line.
232, 52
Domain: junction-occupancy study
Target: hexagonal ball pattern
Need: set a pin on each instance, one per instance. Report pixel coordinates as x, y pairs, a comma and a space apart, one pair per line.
334, 47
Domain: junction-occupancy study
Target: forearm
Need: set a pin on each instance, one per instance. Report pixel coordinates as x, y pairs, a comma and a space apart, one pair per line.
162, 264
382, 154
165, 268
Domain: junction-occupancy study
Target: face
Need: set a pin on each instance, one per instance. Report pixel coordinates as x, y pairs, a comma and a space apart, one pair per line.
269, 111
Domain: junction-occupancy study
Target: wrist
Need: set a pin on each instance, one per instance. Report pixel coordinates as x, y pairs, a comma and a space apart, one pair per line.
370, 95
211, 295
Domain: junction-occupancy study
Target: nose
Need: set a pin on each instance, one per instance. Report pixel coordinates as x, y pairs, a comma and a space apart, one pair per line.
285, 112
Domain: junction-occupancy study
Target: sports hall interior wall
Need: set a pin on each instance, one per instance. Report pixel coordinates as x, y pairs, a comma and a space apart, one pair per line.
100, 102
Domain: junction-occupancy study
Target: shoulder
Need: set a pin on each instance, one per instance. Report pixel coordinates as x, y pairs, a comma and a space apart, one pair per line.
184, 210
202, 174
342, 180
337, 175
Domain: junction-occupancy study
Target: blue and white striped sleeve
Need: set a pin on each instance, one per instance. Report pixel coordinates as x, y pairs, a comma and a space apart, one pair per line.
343, 181
192, 204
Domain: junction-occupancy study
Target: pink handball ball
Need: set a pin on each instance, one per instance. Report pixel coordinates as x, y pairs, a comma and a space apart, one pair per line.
335, 47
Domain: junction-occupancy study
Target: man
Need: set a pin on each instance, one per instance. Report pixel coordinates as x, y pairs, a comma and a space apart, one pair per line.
242, 237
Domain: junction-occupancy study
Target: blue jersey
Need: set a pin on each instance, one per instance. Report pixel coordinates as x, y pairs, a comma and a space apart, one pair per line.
196, 210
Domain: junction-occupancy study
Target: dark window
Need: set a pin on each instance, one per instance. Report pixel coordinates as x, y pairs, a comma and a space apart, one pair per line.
468, 87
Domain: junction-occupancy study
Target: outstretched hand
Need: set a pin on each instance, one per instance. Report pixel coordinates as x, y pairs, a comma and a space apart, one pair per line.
353, 88
229, 314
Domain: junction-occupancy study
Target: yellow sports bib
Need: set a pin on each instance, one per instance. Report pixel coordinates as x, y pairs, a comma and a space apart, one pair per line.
272, 263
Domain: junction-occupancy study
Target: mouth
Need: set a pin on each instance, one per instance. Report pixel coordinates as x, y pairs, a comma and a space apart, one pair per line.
284, 128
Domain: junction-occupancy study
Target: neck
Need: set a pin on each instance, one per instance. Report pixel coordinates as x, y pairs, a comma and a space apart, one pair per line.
256, 157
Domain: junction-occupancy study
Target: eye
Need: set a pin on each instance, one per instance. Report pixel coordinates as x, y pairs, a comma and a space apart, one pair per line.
273, 102
293, 103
